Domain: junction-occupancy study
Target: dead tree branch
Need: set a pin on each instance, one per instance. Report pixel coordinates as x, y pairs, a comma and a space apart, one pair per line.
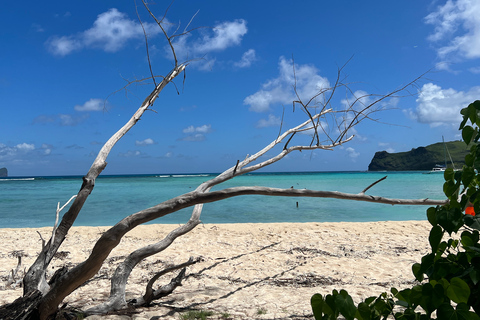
202, 195
49, 295
35, 274
379, 180
151, 294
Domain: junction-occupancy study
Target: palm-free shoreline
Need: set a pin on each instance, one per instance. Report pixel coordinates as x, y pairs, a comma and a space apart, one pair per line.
248, 271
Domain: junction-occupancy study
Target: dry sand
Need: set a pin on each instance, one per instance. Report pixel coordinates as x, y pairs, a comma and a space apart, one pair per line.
249, 271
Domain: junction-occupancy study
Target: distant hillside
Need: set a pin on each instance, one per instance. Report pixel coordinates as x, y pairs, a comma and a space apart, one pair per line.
421, 158
3, 172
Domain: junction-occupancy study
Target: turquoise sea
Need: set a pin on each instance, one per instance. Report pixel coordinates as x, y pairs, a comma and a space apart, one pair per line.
32, 201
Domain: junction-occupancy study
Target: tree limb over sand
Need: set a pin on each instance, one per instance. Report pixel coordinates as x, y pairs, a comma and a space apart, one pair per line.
320, 116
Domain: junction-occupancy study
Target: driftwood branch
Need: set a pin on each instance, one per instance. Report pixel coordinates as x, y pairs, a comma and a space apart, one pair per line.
202, 195
67, 281
59, 209
111, 238
14, 278
151, 294
379, 180
36, 274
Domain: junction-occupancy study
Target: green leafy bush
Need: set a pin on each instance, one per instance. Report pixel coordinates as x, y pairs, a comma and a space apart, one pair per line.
449, 276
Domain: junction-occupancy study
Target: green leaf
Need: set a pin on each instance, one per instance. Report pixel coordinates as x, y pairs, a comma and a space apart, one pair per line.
432, 215
467, 134
450, 188
472, 113
469, 160
404, 295
474, 273
472, 222
463, 311
458, 290
345, 305
416, 294
449, 174
468, 175
475, 104
317, 306
446, 312
474, 276
329, 307
438, 295
370, 300
462, 124
364, 310
435, 237
450, 218
417, 271
467, 239
380, 306
474, 107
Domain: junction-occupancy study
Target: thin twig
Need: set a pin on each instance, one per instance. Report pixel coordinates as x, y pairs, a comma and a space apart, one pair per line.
146, 43
365, 190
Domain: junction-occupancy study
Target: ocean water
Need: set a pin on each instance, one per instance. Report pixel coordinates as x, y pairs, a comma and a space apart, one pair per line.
32, 202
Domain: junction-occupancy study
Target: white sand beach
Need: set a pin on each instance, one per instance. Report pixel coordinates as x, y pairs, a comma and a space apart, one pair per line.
249, 271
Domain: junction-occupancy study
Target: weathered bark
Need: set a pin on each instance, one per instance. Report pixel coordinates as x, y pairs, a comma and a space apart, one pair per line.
119, 280
151, 294
110, 239
35, 277
24, 308
84, 271
53, 293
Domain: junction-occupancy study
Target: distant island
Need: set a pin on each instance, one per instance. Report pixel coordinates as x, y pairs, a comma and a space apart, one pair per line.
421, 158
3, 172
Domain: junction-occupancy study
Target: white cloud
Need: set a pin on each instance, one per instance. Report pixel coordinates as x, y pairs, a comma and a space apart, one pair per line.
91, 105
196, 133
439, 106
110, 32
358, 101
68, 120
189, 129
145, 142
71, 120
352, 153
248, 58
194, 137
25, 147
272, 121
386, 147
280, 90
47, 148
226, 34
206, 128
457, 28
475, 70
61, 46
132, 153
13, 153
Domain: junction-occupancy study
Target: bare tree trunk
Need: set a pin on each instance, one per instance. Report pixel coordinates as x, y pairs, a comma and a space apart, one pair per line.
35, 277
110, 239
41, 299
116, 300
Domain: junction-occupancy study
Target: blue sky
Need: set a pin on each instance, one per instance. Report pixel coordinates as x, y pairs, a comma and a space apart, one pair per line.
63, 65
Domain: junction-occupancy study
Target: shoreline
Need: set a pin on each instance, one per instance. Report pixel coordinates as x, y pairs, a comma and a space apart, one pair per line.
247, 267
